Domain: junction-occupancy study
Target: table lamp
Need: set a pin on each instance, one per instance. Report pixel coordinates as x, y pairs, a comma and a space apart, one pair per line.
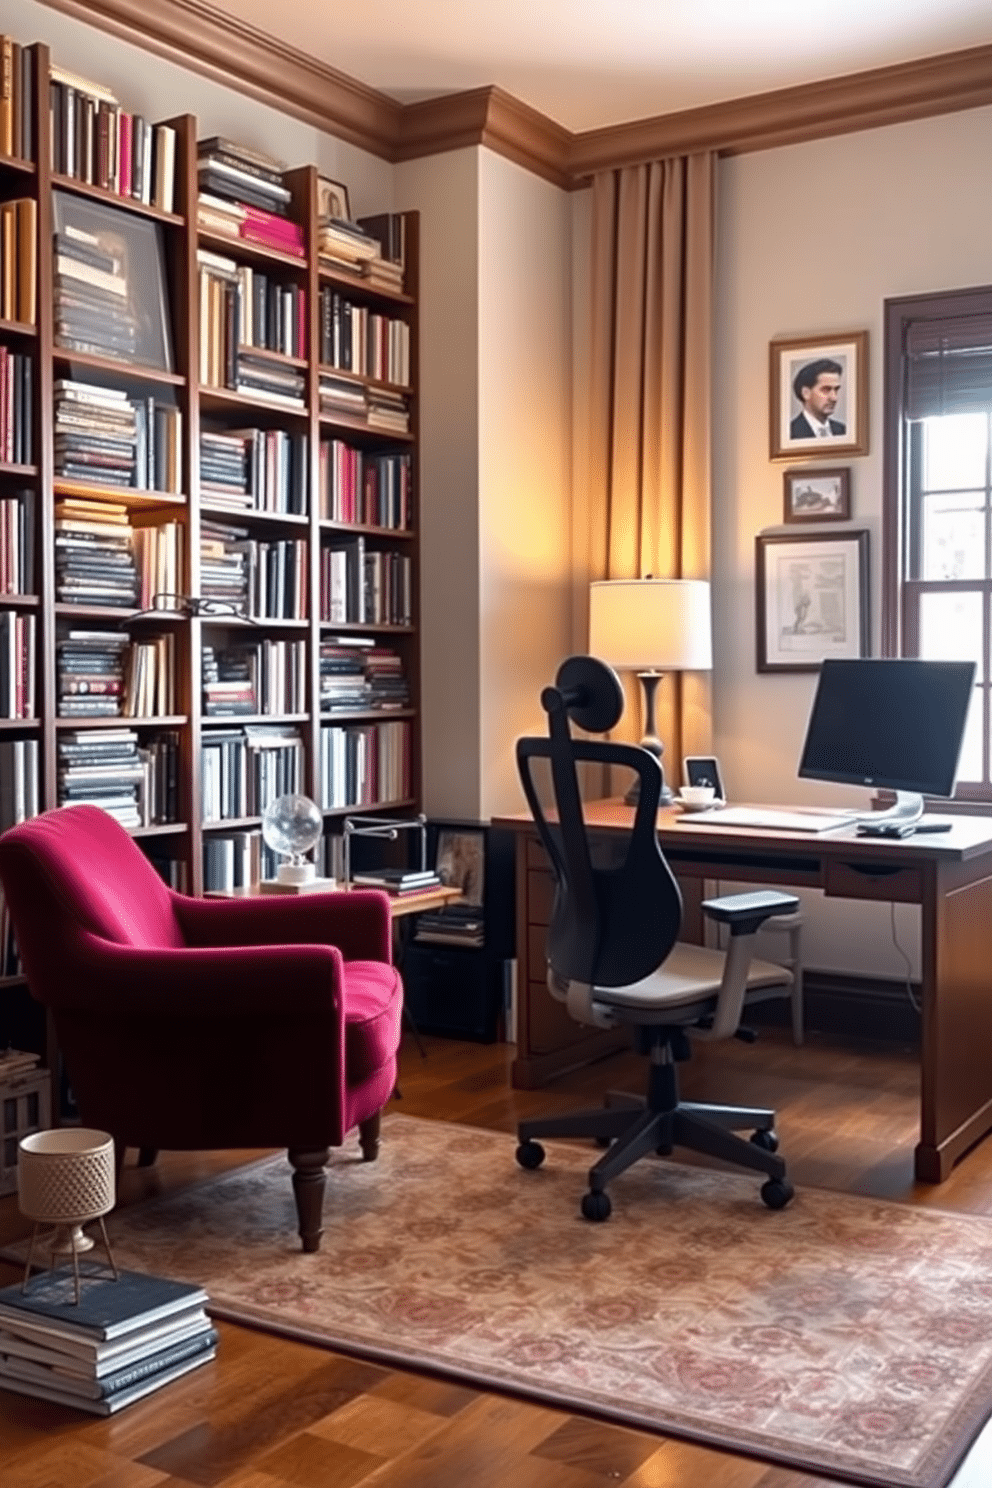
651, 626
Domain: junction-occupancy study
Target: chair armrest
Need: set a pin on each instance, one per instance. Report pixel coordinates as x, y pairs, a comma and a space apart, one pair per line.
198, 983
746, 913
358, 922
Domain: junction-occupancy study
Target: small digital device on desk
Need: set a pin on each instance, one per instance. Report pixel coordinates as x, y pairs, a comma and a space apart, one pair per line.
894, 724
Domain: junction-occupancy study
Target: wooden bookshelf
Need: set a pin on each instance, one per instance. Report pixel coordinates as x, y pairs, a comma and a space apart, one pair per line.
203, 407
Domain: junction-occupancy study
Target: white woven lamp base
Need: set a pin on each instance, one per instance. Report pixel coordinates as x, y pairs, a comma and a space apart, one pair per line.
66, 1178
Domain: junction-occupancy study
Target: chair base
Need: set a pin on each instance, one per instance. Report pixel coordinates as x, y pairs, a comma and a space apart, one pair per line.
635, 1128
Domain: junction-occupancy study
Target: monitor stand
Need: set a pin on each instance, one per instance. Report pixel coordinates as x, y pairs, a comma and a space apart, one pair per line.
897, 821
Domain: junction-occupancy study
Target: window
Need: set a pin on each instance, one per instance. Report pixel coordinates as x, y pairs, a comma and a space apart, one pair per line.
937, 578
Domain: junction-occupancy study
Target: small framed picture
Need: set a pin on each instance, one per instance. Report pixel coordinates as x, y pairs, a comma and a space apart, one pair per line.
332, 200
461, 862
700, 769
814, 495
811, 599
818, 401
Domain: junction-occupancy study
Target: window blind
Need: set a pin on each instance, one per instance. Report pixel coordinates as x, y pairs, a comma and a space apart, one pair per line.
948, 366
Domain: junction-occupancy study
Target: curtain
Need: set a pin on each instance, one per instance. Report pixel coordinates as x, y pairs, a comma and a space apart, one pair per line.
643, 505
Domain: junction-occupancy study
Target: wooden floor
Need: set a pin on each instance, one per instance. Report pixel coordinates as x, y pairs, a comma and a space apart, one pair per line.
270, 1413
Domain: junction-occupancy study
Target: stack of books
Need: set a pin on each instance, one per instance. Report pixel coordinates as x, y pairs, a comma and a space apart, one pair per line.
254, 470
102, 768
96, 434
94, 554
455, 924
388, 410
362, 486
339, 397
224, 565
229, 687
93, 310
91, 673
397, 880
389, 231
123, 1340
232, 173
343, 684
344, 245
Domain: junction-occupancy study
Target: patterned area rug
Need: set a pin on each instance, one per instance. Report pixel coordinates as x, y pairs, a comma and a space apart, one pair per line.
843, 1336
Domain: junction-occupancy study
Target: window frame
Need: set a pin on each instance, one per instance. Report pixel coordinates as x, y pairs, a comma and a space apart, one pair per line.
900, 595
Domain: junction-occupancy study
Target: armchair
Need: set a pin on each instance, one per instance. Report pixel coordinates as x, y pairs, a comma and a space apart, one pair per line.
614, 955
197, 1024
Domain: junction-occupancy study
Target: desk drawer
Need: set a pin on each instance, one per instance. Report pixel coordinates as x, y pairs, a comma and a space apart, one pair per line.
866, 881
540, 896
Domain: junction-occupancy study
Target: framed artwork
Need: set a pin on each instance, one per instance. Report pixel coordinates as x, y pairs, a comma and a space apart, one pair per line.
811, 599
461, 862
332, 200
815, 495
110, 283
818, 402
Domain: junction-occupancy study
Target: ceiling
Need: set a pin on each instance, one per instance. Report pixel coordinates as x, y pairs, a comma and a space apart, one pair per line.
587, 64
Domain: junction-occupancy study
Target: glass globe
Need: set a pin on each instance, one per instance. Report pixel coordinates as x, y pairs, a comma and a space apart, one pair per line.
291, 826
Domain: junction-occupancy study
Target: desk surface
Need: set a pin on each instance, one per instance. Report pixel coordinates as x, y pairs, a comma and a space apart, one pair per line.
968, 837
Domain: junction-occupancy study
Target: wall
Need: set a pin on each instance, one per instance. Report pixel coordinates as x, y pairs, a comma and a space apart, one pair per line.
812, 239
525, 347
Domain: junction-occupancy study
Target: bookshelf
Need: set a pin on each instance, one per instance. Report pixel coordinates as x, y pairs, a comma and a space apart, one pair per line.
251, 622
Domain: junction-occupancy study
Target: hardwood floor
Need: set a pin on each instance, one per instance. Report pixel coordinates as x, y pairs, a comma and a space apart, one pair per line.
272, 1413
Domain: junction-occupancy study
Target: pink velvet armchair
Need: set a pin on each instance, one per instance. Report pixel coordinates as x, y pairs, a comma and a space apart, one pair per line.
201, 1024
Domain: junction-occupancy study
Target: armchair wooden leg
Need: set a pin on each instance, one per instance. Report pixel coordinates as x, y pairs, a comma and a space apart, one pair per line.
368, 1137
147, 1157
309, 1180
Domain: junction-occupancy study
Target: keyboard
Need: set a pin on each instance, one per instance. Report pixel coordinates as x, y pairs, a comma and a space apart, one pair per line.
772, 818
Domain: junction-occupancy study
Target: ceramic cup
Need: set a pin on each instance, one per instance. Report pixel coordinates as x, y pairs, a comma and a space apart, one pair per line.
696, 797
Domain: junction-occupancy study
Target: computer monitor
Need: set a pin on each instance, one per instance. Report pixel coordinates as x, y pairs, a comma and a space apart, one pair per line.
897, 724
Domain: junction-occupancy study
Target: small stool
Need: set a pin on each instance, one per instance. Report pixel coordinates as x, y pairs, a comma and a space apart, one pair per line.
792, 926
65, 1178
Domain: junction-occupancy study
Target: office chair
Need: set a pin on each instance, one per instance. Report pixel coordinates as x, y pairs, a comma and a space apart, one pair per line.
614, 956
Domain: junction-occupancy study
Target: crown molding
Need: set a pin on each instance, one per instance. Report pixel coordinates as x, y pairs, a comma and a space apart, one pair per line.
786, 116
195, 35
491, 117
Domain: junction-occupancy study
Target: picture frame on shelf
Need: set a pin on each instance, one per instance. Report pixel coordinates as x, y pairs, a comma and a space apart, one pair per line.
110, 283
818, 395
332, 200
811, 599
461, 862
814, 495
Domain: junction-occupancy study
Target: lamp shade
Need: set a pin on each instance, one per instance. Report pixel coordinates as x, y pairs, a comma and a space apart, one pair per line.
644, 625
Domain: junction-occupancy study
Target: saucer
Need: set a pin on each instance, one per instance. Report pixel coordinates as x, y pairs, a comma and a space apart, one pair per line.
706, 806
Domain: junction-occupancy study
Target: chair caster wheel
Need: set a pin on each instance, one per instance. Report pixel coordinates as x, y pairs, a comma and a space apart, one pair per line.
596, 1206
530, 1154
777, 1192
603, 1142
767, 1140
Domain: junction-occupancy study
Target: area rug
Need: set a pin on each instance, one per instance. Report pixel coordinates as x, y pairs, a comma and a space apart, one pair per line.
842, 1336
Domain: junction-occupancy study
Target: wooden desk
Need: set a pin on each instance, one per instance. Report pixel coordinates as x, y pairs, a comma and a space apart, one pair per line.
949, 875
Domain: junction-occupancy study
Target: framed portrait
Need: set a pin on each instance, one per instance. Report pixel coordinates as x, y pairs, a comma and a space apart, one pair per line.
818, 402
110, 283
811, 599
332, 200
815, 495
461, 862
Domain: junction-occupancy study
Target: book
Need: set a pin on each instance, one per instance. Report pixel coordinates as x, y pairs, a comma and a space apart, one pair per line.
114, 1376
398, 879
108, 1406
106, 1308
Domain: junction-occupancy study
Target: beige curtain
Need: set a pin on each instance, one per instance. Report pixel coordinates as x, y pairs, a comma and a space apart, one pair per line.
644, 497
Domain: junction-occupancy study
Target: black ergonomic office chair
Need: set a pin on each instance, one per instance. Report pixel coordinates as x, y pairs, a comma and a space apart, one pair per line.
614, 956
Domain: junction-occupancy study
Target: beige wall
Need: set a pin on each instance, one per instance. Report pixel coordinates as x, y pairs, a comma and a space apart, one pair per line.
812, 239
525, 306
